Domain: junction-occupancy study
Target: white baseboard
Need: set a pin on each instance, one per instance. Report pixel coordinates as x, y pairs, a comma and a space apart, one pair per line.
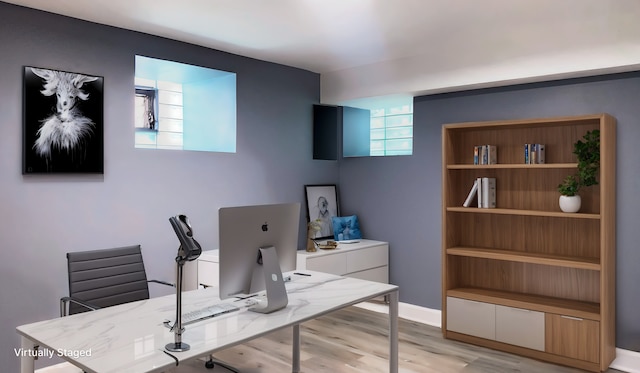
420, 314
626, 360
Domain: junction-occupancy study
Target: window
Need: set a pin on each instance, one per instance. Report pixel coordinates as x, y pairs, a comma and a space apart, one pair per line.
391, 131
184, 107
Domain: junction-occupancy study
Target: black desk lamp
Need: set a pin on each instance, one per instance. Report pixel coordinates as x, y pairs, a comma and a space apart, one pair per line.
189, 250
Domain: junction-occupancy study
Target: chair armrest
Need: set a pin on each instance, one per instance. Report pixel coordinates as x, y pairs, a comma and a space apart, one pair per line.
65, 300
162, 282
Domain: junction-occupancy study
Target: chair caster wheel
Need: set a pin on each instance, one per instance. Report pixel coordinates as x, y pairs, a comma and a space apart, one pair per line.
209, 364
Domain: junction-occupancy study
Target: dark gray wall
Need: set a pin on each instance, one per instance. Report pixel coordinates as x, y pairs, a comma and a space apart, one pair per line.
399, 198
43, 217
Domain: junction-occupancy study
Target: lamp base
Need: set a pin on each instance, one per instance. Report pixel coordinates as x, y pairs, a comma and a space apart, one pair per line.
177, 347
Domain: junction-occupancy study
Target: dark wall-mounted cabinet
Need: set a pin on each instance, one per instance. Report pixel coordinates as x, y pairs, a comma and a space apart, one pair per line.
335, 125
326, 120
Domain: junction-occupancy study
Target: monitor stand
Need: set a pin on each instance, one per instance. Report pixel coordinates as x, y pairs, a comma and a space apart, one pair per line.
267, 271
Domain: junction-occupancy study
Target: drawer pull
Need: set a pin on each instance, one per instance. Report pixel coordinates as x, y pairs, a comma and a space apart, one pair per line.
572, 318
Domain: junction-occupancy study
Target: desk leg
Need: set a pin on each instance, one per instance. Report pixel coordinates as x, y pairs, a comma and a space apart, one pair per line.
26, 360
393, 332
295, 356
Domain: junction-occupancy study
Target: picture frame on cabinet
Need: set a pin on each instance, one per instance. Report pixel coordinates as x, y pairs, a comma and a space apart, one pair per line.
322, 206
62, 122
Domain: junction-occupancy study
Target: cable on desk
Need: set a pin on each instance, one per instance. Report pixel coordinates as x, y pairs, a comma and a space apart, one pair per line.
174, 358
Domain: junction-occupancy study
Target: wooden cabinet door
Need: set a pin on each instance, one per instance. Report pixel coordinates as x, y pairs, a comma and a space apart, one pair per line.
572, 337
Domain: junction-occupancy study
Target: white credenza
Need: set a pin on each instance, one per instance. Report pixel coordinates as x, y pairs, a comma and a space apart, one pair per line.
366, 260
207, 268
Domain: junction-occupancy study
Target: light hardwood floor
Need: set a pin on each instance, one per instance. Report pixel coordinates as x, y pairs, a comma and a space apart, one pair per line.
354, 340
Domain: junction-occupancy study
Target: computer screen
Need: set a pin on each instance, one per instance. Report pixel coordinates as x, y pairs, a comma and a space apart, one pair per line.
243, 231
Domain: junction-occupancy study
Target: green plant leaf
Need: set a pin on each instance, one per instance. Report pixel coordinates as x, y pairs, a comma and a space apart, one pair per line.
587, 151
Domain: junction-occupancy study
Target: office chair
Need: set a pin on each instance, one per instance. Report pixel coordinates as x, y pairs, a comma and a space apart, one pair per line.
108, 277
103, 278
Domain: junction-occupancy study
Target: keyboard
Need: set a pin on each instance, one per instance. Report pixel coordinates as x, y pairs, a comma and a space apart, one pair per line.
208, 312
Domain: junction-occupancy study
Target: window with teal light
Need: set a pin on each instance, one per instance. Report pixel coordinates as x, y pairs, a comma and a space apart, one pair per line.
184, 107
391, 131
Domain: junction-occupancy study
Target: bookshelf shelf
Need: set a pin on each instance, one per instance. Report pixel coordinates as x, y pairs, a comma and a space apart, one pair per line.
512, 165
551, 214
525, 262
523, 257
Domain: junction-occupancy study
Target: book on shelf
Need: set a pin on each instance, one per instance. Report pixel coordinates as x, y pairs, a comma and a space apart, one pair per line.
489, 192
492, 156
534, 153
485, 189
541, 157
485, 154
472, 194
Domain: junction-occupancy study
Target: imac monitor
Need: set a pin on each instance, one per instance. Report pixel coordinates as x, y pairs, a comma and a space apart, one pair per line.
257, 244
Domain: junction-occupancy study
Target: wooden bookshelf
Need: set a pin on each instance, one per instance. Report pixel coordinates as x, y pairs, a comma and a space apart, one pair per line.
525, 255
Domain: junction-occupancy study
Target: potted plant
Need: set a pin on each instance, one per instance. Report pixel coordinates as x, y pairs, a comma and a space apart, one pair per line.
588, 154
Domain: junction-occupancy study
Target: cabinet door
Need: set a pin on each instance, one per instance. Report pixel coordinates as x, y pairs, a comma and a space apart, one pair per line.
520, 327
573, 337
471, 317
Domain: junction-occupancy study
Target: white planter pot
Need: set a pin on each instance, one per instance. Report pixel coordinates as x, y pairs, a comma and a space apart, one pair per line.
570, 203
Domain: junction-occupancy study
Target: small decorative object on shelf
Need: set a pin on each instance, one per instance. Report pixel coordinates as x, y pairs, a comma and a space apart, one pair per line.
329, 245
313, 228
588, 153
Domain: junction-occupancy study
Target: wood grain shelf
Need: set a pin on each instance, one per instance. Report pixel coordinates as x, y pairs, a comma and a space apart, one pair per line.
572, 308
511, 166
523, 257
503, 211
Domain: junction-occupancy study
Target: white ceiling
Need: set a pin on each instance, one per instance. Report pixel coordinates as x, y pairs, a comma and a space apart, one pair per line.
370, 48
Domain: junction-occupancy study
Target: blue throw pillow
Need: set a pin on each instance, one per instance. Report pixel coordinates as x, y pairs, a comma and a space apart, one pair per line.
346, 228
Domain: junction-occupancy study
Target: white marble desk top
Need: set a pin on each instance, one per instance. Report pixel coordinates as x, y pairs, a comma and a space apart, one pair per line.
131, 337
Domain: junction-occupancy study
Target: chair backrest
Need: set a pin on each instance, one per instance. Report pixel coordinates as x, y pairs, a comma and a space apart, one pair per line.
107, 277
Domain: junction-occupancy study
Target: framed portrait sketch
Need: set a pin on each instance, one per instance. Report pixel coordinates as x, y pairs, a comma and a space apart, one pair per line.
322, 205
63, 122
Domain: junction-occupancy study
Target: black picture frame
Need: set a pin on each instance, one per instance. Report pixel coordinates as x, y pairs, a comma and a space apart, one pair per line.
322, 204
63, 122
